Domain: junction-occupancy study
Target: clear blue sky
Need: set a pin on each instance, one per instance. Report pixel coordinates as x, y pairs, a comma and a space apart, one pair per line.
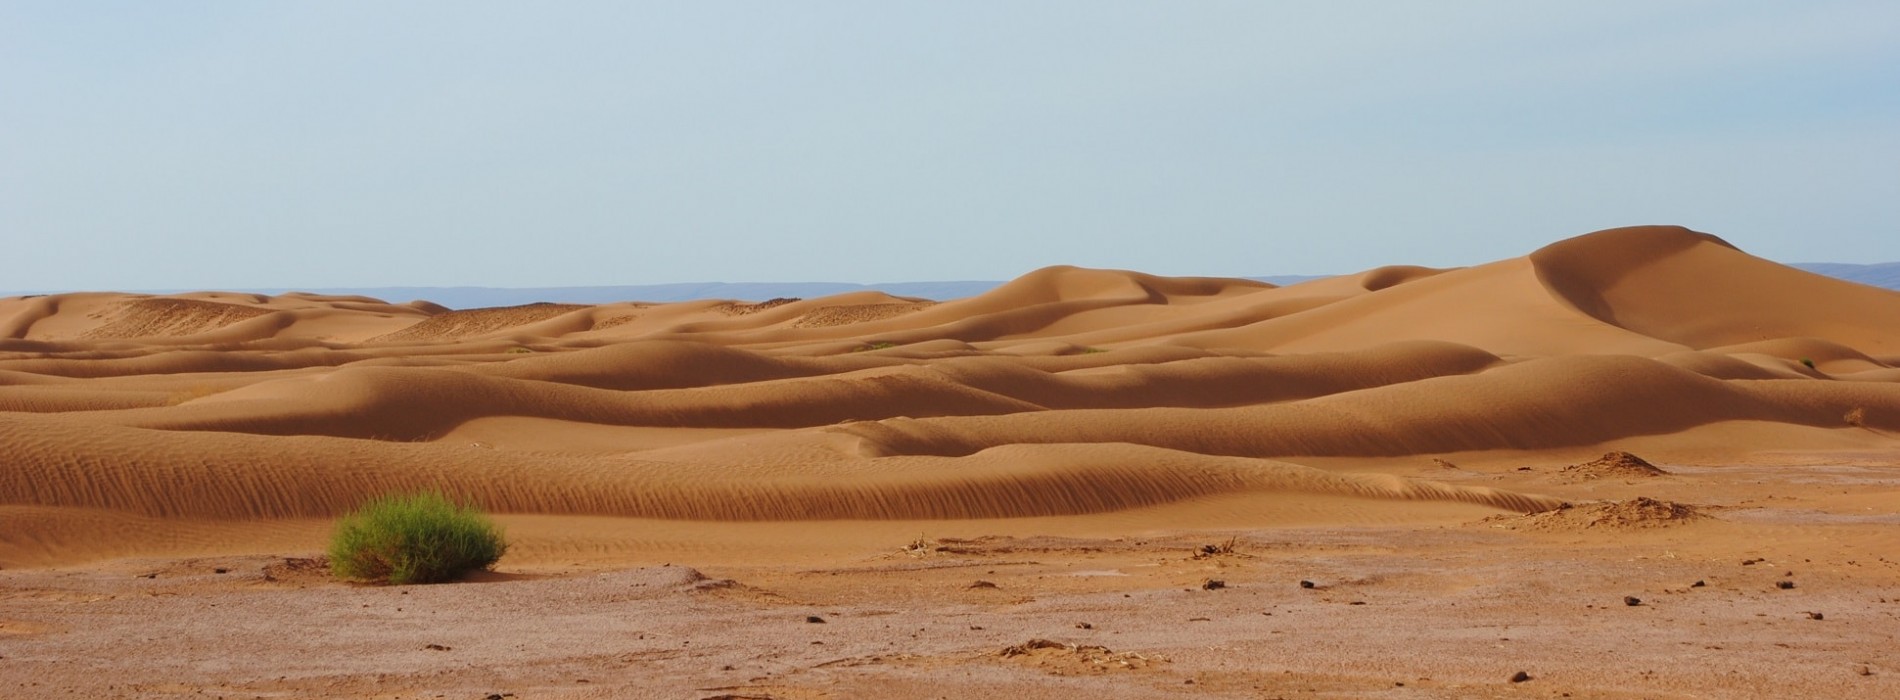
325, 144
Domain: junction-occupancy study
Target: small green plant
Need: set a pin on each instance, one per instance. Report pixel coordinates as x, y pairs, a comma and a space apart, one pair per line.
1808, 362
414, 538
520, 351
879, 345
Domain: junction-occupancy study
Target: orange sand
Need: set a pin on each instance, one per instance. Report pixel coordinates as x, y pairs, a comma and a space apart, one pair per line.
766, 437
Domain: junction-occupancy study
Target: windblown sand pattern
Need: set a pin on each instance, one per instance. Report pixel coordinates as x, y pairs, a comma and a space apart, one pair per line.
1067, 392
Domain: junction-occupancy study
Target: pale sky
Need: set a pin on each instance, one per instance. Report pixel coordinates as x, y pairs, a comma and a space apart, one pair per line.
328, 144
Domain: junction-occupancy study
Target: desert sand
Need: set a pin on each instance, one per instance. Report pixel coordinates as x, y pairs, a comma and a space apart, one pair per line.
1638, 463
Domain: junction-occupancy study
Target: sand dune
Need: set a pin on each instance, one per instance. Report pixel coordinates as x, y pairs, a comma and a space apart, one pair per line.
1066, 392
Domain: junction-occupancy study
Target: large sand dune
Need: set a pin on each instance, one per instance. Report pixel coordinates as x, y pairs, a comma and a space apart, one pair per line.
1407, 467
1065, 392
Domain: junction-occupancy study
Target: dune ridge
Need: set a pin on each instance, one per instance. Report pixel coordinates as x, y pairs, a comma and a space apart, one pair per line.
1066, 392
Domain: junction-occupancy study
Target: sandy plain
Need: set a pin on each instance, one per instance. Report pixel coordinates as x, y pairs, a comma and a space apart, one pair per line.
1637, 463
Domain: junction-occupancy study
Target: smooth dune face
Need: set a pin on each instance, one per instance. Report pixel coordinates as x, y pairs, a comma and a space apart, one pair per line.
1067, 392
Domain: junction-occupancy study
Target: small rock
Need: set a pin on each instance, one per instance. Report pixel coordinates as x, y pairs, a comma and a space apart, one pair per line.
1816, 616
814, 619
220, 570
1632, 601
1520, 677
148, 575
1084, 626
982, 584
1784, 585
437, 647
1698, 583
1308, 584
1865, 671
1751, 562
1213, 584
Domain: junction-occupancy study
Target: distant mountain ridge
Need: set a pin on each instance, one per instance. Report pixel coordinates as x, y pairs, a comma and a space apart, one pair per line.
1874, 275
1885, 275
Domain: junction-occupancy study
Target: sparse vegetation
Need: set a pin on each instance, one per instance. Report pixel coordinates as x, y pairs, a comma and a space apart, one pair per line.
414, 538
1807, 361
520, 351
1856, 417
879, 345
1215, 550
920, 547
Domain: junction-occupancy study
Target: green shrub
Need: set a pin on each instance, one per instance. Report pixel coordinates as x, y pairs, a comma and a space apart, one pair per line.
415, 538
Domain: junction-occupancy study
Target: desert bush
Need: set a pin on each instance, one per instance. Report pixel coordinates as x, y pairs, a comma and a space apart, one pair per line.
414, 538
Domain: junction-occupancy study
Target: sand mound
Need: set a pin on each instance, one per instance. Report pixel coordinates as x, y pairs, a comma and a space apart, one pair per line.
1637, 513
1614, 465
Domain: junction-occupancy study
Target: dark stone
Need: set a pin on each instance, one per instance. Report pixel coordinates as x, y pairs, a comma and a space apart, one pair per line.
220, 570
814, 619
1784, 585
1213, 584
436, 647
1698, 584
1816, 616
1632, 601
1520, 677
1308, 584
1084, 626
